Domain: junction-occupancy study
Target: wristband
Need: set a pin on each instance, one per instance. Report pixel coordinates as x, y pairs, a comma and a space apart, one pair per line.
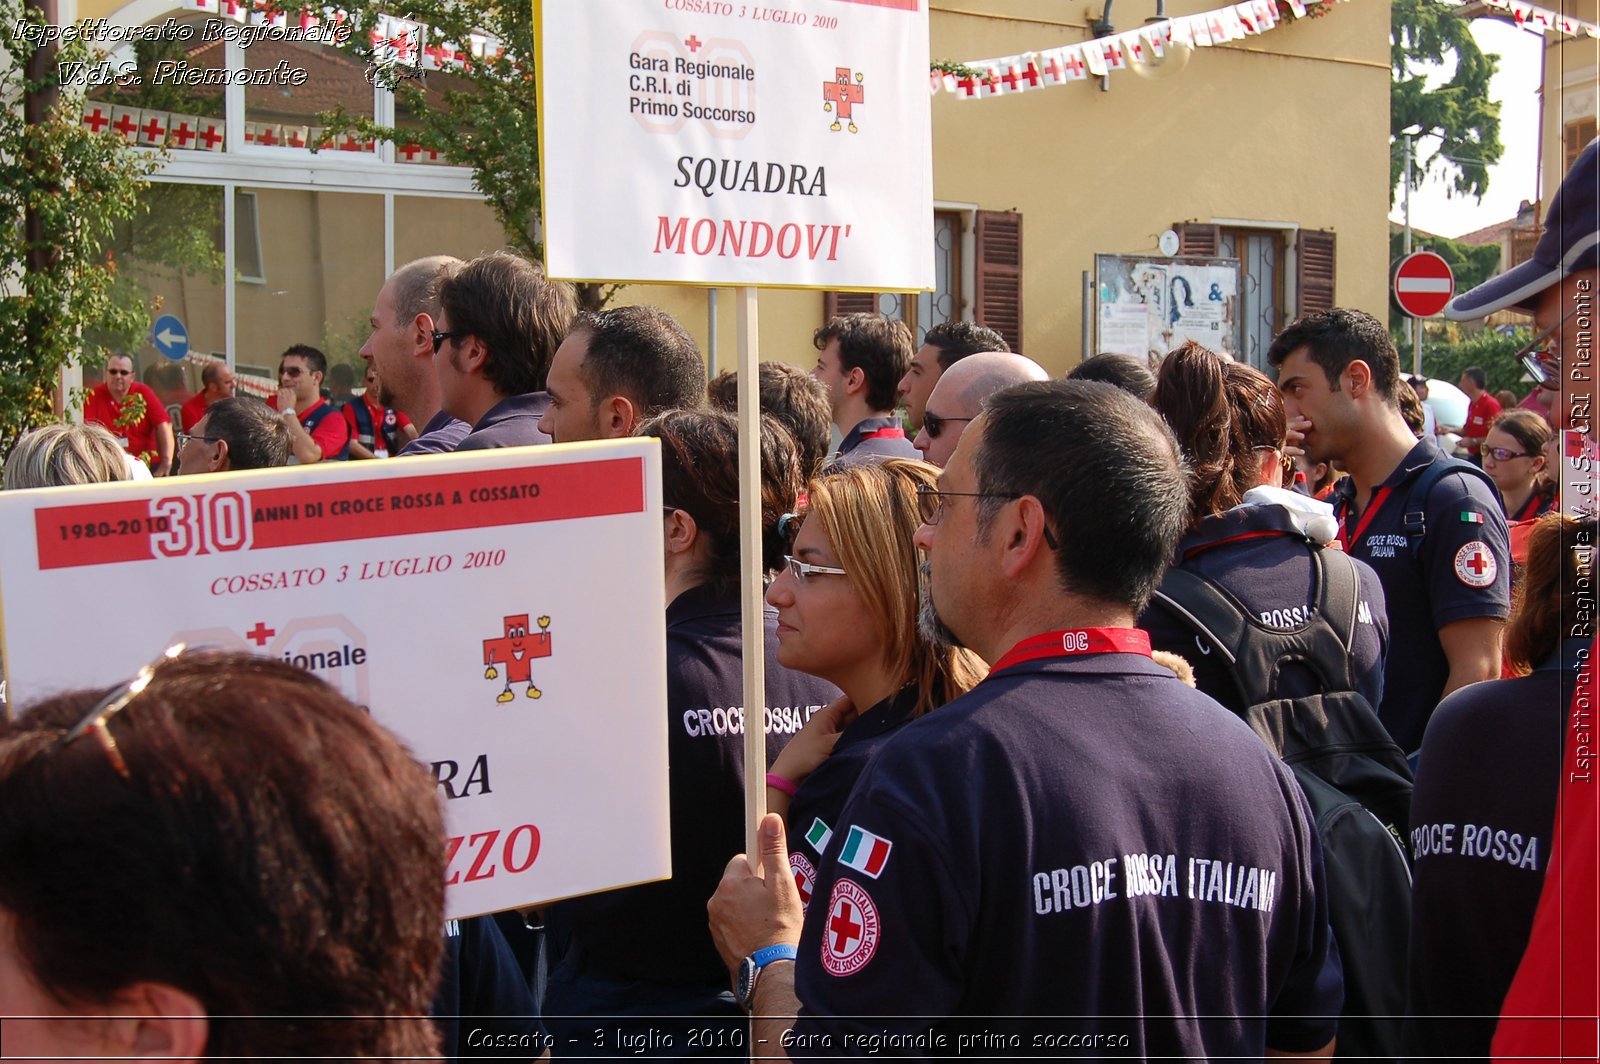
778, 783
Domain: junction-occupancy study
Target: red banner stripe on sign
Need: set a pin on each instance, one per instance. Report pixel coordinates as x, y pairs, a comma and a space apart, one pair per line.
232, 520
898, 5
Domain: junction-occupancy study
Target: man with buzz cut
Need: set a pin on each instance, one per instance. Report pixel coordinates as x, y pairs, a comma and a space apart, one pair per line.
1430, 525
500, 322
618, 368
1081, 855
861, 360
400, 348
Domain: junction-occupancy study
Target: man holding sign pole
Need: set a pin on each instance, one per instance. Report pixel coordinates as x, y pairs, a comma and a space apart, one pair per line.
1081, 852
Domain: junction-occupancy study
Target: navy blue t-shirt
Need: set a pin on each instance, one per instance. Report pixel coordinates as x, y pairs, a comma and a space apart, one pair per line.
814, 809
1461, 572
512, 422
441, 435
656, 936
1482, 815
864, 444
1084, 838
1247, 551
484, 1007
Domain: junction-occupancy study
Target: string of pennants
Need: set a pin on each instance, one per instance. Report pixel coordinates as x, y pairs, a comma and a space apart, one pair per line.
152, 128
400, 41
1127, 50
1150, 43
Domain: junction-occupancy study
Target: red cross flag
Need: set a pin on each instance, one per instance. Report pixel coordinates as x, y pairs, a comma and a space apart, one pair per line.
97, 116
213, 134
125, 121
1423, 284
182, 130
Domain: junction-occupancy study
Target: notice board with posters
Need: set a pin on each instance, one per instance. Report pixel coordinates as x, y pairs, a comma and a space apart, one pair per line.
725, 143
453, 596
1146, 306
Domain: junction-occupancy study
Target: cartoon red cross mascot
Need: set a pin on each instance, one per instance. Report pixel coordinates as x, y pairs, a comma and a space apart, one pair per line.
516, 651
840, 96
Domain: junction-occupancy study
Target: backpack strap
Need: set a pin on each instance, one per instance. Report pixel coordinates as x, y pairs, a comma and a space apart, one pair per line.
1216, 618
1414, 518
1339, 598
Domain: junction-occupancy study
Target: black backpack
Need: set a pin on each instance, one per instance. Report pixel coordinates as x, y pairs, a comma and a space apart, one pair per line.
1355, 779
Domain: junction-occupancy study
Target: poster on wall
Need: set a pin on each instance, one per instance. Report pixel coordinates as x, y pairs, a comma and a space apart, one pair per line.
452, 596
737, 144
1149, 305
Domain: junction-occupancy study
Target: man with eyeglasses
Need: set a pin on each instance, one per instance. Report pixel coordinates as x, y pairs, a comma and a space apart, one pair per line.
235, 433
1557, 286
500, 322
942, 347
957, 398
317, 432
134, 414
1080, 854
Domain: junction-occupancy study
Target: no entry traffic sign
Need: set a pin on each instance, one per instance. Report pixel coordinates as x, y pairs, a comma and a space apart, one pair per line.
1422, 284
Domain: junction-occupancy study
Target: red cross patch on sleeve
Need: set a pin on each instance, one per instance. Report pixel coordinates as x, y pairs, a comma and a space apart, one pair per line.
1475, 564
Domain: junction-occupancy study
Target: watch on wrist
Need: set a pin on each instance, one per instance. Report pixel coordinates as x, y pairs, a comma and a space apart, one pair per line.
750, 970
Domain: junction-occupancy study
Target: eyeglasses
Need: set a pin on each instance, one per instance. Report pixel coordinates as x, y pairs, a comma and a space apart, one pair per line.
1501, 454
290, 371
930, 502
185, 437
440, 337
1543, 364
803, 571
935, 424
115, 702
119, 373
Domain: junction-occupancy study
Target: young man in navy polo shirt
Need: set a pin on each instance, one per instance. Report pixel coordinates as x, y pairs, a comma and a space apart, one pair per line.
1447, 587
861, 361
1081, 835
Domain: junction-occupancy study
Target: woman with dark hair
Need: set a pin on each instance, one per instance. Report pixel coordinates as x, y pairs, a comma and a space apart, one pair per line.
1484, 806
222, 858
848, 604
646, 951
1246, 532
1514, 458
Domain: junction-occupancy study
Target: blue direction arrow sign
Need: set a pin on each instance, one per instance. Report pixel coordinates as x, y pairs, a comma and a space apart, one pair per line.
171, 337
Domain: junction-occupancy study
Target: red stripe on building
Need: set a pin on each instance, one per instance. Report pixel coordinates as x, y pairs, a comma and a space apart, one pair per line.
346, 511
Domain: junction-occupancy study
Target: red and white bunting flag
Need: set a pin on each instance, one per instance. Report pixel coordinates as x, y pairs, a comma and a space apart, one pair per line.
183, 131
1266, 14
201, 5
97, 116
269, 135
967, 87
1246, 14
407, 153
309, 21
1132, 47
993, 85
1032, 74
252, 130
1298, 7
296, 136
1201, 30
1016, 76
1155, 40
1179, 33
125, 123
234, 9
1094, 57
153, 129
213, 135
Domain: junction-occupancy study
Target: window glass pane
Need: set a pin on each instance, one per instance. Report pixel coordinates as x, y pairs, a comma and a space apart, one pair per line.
433, 86
170, 105
322, 265
943, 303
169, 262
892, 305
460, 227
1261, 283
283, 114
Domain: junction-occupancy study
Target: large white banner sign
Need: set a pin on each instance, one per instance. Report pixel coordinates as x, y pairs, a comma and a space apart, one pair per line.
729, 143
502, 611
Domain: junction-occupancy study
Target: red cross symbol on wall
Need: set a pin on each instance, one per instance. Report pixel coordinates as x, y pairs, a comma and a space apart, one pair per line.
260, 634
212, 135
182, 134
96, 120
844, 927
693, 43
841, 93
125, 125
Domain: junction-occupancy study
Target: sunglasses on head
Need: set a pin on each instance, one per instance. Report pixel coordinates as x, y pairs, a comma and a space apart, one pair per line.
934, 423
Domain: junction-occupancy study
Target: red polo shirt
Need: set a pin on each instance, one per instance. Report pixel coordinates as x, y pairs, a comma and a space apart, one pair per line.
331, 432
1480, 415
139, 437
190, 413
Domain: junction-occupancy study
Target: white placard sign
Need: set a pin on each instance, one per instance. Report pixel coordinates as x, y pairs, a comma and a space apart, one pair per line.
501, 611
718, 142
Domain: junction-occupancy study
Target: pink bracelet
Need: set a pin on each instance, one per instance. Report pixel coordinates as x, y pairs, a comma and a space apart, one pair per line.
777, 782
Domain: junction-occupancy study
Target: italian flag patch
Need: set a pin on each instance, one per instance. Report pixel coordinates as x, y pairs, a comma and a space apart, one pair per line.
1471, 517
865, 852
818, 835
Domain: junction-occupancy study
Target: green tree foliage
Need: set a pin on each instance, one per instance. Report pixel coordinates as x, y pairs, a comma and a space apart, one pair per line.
1489, 348
1472, 265
1459, 123
79, 185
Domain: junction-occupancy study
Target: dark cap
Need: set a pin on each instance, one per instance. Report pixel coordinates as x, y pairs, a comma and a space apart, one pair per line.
1570, 242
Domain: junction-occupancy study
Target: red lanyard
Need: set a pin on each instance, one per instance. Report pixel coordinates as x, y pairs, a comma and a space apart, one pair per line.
1074, 642
884, 434
1352, 539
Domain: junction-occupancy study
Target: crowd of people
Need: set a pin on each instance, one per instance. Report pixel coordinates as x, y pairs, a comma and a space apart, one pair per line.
1080, 694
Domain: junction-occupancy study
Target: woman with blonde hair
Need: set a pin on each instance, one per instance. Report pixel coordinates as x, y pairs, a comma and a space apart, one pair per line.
55, 455
848, 602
